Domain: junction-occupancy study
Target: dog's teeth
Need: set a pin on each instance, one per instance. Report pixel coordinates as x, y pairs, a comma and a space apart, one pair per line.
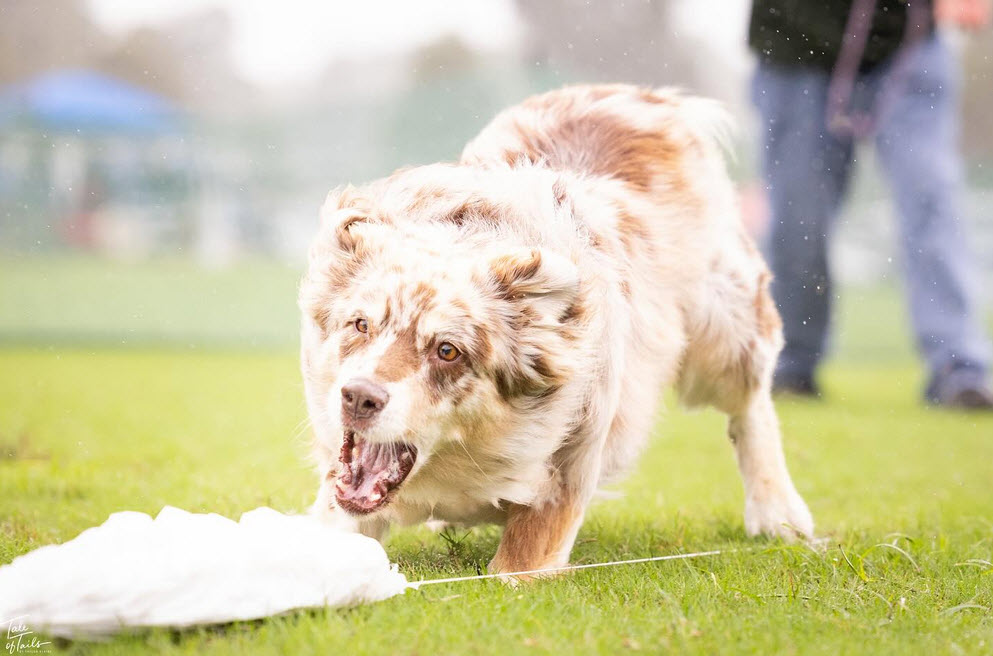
375, 496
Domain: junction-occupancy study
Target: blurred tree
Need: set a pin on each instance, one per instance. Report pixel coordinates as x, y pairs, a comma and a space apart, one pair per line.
36, 37
628, 41
452, 93
147, 57
448, 56
187, 59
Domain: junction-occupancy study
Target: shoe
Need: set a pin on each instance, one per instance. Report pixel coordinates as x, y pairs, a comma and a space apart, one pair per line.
802, 385
960, 387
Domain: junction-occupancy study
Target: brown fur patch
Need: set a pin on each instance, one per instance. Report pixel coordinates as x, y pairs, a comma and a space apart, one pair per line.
601, 91
633, 233
482, 346
742, 286
422, 295
387, 312
400, 358
511, 385
322, 317
537, 380
541, 366
474, 209
766, 314
649, 96
427, 196
534, 536
514, 385
443, 378
509, 269
459, 216
610, 147
352, 198
346, 240
575, 312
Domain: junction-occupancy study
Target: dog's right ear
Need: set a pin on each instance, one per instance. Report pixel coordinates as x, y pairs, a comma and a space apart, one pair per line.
344, 217
345, 239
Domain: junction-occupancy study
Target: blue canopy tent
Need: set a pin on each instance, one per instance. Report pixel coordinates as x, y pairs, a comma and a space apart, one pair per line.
73, 142
87, 102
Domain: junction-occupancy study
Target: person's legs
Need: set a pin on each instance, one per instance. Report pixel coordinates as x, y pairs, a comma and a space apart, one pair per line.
917, 145
806, 173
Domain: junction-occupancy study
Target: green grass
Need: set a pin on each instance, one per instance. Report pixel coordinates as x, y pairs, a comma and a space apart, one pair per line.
83, 300
904, 495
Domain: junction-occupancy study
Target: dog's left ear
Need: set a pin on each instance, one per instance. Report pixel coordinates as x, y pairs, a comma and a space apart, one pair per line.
546, 281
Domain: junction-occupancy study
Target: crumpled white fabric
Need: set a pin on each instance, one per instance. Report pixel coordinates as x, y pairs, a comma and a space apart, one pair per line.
182, 569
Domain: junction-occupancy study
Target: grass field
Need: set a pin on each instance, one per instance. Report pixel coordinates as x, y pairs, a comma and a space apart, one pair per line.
904, 495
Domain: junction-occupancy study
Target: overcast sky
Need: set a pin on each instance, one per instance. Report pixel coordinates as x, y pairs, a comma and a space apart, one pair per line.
292, 40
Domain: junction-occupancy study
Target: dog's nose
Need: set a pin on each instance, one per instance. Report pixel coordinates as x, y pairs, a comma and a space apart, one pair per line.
362, 399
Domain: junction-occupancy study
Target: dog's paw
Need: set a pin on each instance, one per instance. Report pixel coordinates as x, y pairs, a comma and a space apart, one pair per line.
517, 573
515, 580
783, 515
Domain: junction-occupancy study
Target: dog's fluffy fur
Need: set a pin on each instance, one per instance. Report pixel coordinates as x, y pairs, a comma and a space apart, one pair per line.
584, 253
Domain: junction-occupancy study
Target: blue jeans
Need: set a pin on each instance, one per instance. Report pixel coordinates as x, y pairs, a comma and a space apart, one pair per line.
807, 171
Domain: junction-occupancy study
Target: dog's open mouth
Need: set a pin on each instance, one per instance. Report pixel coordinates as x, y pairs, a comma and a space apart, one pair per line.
371, 471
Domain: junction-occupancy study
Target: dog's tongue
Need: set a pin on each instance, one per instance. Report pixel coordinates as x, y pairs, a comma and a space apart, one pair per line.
371, 471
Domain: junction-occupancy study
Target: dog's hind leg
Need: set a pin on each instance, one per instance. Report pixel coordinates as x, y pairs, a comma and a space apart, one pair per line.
729, 365
772, 504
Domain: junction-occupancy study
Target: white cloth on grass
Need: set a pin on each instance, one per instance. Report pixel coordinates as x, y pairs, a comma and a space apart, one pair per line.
182, 569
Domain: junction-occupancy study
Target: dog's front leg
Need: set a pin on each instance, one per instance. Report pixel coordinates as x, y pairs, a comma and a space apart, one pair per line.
539, 536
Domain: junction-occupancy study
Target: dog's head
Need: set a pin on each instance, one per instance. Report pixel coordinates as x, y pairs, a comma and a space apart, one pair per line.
420, 332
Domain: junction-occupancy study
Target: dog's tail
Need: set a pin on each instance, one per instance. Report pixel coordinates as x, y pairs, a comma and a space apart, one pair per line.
638, 135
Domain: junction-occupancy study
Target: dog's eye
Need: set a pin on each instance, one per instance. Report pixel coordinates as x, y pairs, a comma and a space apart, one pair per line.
362, 325
447, 352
